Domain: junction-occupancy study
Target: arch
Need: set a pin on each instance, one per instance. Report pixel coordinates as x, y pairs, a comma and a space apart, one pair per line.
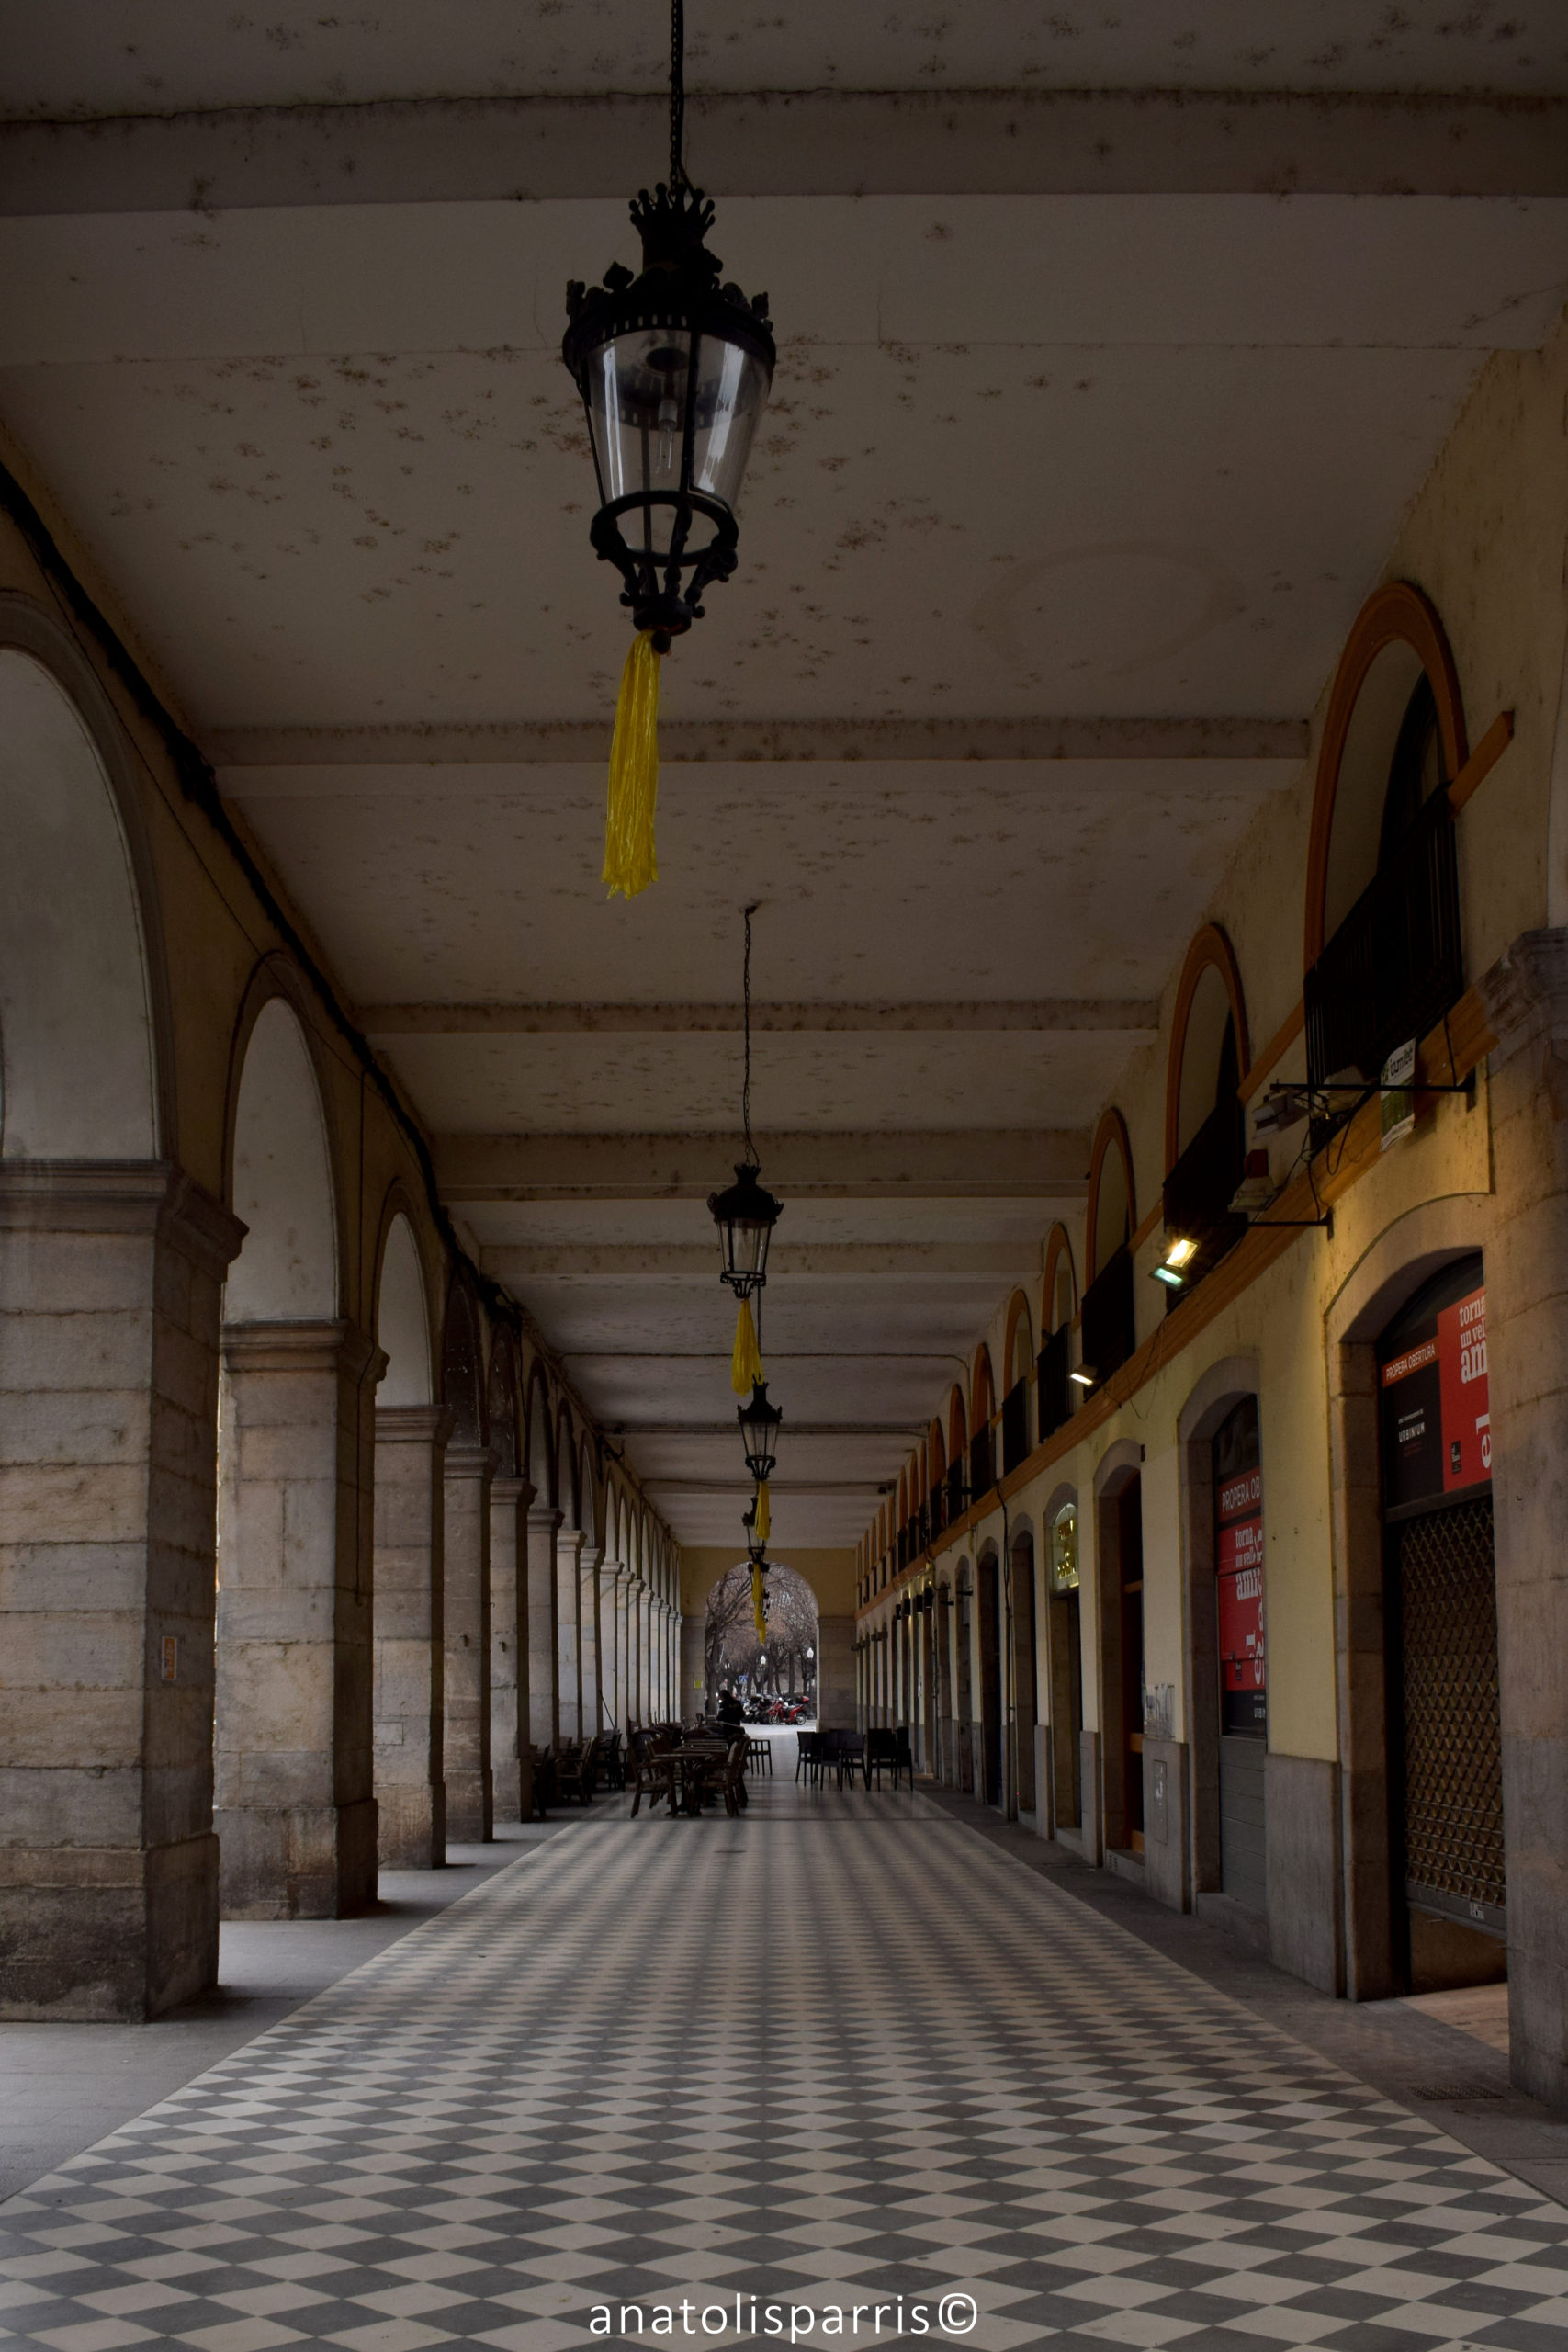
1210, 1400
1398, 636
1112, 1208
1054, 1309
1118, 1466
936, 1458
1019, 1326
586, 1488
982, 1391
462, 1361
403, 1315
501, 1403
280, 1182
957, 1425
84, 1014
566, 1495
1210, 986
538, 1445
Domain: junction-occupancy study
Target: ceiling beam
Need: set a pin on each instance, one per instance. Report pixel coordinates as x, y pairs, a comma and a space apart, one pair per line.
810, 143
1125, 1016
596, 1263
1046, 1163
699, 742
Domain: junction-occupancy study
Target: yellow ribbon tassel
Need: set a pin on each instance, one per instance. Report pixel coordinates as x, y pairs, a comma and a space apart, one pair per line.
757, 1608
630, 862
764, 1526
745, 1364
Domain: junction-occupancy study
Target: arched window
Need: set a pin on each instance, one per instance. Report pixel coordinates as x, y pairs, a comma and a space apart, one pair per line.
1058, 1305
982, 1407
936, 1480
1109, 1329
1205, 1127
1383, 947
957, 1451
1018, 1357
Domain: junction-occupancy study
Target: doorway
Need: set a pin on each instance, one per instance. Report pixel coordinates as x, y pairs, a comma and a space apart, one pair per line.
1120, 1529
1243, 1669
989, 1594
1025, 1676
1063, 1634
964, 1694
1444, 1750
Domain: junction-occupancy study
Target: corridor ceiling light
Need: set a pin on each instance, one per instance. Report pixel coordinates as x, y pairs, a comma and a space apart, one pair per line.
674, 370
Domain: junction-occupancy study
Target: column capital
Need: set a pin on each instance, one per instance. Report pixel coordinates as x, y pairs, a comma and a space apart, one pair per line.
469, 1459
567, 1537
542, 1516
301, 1347
591, 1555
119, 1196
1525, 992
413, 1424
506, 1488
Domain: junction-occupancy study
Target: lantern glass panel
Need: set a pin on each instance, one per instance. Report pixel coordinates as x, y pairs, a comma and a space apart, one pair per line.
636, 412
746, 1246
732, 385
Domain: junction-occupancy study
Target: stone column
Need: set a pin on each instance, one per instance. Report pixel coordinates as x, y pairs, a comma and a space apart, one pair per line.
623, 1689
569, 1630
411, 1788
509, 1501
835, 1672
609, 1664
296, 1809
544, 1685
1526, 1345
110, 1284
470, 1794
594, 1717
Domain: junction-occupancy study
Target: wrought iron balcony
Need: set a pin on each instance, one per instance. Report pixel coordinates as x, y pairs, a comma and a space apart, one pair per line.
1015, 1425
1054, 1391
1109, 1332
1199, 1191
1393, 969
982, 1466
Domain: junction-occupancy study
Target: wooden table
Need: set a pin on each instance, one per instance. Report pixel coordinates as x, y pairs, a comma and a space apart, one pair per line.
693, 1763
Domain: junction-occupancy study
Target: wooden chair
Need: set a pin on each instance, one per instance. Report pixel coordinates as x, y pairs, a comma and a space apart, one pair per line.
884, 1753
652, 1773
571, 1776
733, 1781
812, 1744
760, 1752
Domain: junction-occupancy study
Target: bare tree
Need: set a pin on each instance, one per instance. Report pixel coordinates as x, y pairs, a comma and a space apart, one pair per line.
731, 1647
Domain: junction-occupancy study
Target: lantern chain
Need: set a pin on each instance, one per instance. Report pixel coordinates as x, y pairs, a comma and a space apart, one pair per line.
746, 1004
677, 94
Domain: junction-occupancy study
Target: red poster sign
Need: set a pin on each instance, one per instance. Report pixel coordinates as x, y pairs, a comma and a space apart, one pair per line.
1436, 1411
1467, 1411
1243, 1669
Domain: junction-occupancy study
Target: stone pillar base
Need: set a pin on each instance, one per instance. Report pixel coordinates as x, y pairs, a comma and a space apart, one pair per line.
299, 1862
470, 1808
412, 1827
102, 1935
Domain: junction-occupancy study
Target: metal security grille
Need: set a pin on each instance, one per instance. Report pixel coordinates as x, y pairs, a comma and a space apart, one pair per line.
1453, 1758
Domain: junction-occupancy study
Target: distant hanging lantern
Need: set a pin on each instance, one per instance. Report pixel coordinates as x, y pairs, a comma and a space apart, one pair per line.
760, 1425
745, 1215
674, 370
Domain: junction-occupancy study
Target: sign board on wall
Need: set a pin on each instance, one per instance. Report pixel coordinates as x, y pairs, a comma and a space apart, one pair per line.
1436, 1409
1243, 1676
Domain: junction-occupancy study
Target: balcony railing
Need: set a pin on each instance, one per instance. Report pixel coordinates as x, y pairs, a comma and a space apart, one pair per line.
1394, 965
1107, 1323
1201, 1188
982, 1468
1054, 1392
1015, 1425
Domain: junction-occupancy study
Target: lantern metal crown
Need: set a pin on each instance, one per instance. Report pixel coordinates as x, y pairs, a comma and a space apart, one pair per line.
674, 370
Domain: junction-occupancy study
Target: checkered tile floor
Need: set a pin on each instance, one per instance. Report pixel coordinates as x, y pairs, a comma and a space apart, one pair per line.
834, 2050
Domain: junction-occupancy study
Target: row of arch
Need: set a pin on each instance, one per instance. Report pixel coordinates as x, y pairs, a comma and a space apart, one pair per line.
1394, 733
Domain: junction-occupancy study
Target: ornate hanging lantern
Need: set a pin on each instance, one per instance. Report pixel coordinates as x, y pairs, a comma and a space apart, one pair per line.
745, 1215
674, 370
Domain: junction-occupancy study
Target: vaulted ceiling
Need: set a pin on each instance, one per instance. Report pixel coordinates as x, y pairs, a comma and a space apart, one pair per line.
1112, 345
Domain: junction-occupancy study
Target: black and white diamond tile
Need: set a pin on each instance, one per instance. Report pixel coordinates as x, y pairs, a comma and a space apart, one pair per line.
835, 2051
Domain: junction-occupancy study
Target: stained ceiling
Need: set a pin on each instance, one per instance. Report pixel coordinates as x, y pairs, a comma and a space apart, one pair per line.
1112, 344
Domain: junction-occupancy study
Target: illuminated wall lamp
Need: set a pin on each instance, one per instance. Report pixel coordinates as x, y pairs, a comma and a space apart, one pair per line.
1177, 1255
1084, 1376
